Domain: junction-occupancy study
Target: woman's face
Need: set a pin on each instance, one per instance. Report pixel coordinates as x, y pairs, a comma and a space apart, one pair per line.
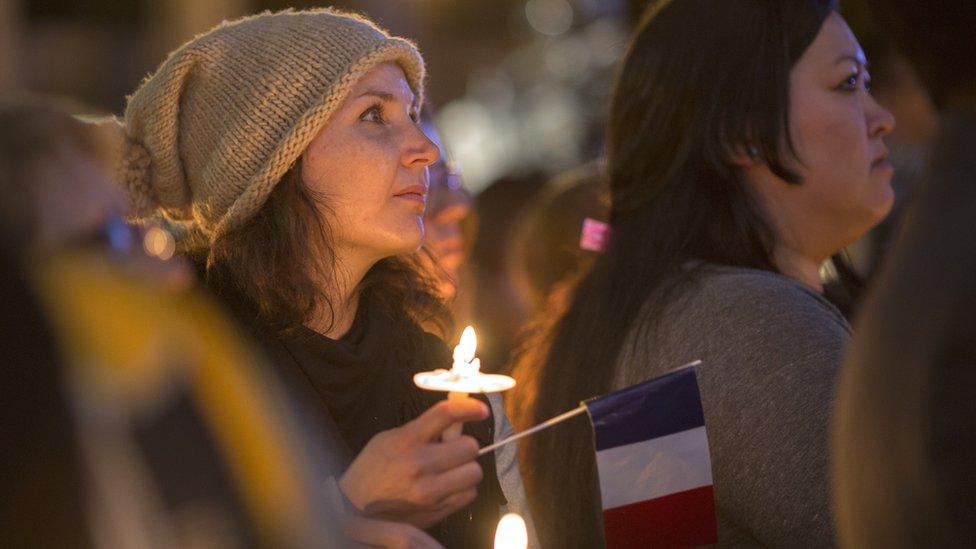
368, 164
837, 130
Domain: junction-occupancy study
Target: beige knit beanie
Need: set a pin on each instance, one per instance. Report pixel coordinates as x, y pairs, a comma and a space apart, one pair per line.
207, 137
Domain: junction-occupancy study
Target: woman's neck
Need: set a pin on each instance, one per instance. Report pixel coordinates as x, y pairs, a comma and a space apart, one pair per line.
343, 293
795, 253
335, 321
799, 267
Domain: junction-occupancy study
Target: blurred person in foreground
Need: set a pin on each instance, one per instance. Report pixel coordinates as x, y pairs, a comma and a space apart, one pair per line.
137, 415
744, 150
904, 430
288, 148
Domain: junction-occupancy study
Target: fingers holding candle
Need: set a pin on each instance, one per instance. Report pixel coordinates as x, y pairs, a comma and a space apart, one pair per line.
433, 422
431, 500
453, 454
458, 480
453, 431
406, 474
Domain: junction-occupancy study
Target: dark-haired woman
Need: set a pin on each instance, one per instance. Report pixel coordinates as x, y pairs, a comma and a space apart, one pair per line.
288, 146
745, 149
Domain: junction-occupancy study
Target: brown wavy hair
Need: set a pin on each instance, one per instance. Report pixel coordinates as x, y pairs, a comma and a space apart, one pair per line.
277, 262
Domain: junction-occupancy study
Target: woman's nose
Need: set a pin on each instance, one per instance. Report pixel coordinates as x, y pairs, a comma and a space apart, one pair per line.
881, 121
422, 152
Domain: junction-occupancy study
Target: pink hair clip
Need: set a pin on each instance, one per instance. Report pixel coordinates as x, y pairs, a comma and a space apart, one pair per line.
594, 236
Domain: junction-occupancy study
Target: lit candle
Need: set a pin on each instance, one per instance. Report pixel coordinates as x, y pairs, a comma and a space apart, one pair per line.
511, 533
465, 363
465, 366
463, 378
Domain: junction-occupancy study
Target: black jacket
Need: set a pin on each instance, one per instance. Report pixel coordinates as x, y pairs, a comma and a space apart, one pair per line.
361, 384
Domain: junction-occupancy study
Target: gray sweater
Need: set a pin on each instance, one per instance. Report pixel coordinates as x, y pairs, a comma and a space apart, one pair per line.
771, 351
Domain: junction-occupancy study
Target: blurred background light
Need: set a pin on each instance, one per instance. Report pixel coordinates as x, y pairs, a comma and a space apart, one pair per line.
520, 86
551, 126
482, 140
568, 58
159, 243
549, 17
606, 40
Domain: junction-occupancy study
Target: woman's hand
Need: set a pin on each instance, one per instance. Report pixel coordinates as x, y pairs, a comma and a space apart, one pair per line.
389, 535
408, 475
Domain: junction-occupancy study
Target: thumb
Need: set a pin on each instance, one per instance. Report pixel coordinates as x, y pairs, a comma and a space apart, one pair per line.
432, 423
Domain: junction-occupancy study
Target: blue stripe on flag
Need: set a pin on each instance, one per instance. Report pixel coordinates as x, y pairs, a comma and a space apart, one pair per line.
654, 408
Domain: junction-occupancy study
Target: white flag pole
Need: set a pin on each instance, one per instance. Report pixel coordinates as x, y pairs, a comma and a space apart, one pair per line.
537, 428
558, 419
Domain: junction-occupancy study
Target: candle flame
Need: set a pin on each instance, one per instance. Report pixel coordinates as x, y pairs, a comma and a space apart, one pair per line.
511, 533
467, 346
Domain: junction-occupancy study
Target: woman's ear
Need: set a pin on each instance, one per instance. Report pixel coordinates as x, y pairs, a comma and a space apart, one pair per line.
744, 156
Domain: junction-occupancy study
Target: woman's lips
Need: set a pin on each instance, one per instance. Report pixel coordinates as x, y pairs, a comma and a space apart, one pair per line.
881, 161
416, 197
882, 164
416, 194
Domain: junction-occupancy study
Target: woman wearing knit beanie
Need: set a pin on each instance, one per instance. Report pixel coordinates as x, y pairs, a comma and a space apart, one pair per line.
285, 146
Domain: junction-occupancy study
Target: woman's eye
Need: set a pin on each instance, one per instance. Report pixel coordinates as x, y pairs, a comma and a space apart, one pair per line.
373, 114
849, 83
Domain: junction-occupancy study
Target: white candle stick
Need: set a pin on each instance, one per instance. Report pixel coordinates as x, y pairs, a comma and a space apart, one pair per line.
548, 423
463, 378
558, 419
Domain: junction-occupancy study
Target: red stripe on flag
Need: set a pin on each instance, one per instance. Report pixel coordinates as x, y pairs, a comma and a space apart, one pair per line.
684, 519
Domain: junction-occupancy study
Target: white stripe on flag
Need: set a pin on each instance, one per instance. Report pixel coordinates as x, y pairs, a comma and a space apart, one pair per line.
654, 468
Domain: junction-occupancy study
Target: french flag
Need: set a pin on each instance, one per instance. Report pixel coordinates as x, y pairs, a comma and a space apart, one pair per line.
654, 466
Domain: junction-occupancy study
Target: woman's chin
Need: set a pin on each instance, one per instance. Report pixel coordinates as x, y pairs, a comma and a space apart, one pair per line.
885, 203
410, 244
401, 238
876, 203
